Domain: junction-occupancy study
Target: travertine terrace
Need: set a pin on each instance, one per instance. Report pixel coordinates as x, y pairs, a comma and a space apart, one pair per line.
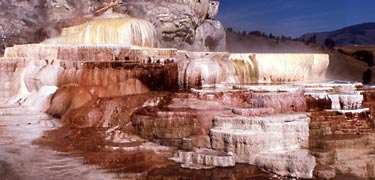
204, 110
216, 108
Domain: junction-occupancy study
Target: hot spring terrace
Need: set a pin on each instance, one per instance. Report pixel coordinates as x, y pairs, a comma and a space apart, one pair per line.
274, 111
190, 69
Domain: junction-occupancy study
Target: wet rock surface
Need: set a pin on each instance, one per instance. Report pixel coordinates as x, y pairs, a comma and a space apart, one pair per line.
324, 140
34, 147
21, 159
120, 104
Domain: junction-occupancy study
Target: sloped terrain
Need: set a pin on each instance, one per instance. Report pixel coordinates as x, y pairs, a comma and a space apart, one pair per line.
360, 34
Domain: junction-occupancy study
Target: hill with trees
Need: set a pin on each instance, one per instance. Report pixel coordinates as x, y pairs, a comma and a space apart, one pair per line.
361, 34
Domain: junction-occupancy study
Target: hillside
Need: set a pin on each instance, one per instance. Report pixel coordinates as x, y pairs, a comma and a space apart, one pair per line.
361, 34
341, 67
238, 43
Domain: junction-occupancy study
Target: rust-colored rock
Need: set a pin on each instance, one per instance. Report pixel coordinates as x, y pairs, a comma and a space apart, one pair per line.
110, 112
69, 98
281, 102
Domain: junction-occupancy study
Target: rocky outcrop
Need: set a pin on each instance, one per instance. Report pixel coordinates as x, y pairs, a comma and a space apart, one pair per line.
204, 159
18, 21
179, 24
292, 163
273, 143
210, 36
33, 21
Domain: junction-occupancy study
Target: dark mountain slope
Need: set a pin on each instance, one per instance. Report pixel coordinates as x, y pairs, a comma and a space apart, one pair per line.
361, 34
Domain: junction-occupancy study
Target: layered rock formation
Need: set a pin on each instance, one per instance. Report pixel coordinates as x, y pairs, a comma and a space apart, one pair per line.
204, 158
210, 108
272, 143
88, 66
216, 108
91, 78
180, 24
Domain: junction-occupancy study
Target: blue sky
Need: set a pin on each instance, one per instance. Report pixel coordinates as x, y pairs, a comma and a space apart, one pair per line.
294, 17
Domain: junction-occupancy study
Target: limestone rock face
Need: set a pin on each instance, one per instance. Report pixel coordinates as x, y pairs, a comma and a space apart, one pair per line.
213, 10
65, 9
107, 112
287, 163
274, 143
210, 36
179, 23
18, 20
33, 21
281, 102
204, 159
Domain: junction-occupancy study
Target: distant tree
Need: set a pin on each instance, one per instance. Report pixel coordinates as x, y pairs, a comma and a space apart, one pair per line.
365, 56
271, 36
284, 38
230, 29
329, 43
367, 77
277, 39
312, 39
243, 33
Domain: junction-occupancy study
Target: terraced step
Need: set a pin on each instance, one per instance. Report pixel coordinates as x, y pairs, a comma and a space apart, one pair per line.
340, 142
323, 157
324, 172
272, 143
253, 111
341, 122
288, 162
204, 159
266, 123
